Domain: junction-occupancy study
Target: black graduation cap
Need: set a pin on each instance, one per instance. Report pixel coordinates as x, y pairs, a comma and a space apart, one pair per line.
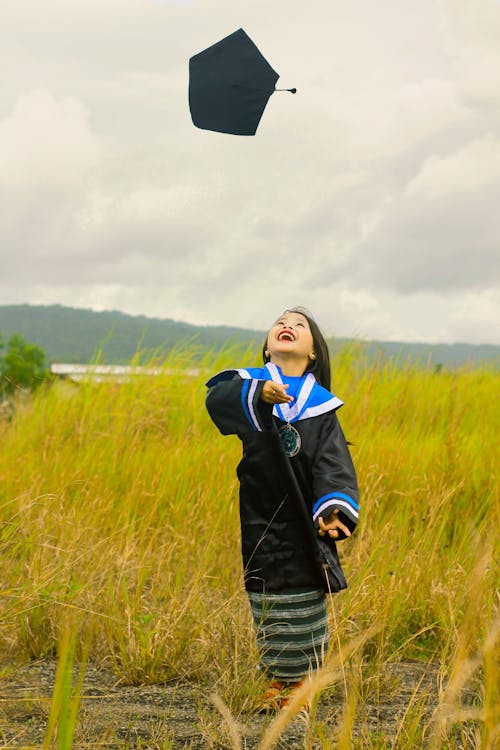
229, 86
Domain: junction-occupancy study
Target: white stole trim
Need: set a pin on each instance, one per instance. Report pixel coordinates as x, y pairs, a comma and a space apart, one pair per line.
290, 412
242, 373
331, 405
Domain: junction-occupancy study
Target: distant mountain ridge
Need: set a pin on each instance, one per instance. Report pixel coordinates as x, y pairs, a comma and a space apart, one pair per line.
76, 335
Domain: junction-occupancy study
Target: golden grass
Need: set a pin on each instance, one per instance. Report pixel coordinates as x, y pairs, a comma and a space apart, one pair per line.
118, 507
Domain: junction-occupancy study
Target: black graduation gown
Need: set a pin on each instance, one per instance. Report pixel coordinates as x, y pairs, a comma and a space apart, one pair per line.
281, 498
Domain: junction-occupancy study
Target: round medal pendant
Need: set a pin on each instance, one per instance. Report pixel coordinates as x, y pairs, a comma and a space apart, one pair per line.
290, 439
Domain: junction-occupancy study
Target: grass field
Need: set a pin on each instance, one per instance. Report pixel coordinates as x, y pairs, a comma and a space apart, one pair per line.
119, 523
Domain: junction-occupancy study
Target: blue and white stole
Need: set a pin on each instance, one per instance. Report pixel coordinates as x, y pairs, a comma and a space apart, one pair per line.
310, 398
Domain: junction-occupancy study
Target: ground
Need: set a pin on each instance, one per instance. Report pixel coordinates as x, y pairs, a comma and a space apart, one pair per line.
180, 715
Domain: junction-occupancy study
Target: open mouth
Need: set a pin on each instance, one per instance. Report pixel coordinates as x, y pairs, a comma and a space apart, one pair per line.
286, 335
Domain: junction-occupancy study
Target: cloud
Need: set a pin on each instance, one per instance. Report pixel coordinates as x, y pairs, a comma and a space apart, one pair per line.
472, 34
441, 232
476, 318
46, 143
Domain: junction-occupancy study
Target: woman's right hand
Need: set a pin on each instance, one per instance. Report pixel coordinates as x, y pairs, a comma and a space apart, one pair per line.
275, 393
332, 526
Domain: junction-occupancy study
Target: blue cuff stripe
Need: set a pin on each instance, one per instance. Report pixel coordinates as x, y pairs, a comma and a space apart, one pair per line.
251, 410
244, 391
333, 495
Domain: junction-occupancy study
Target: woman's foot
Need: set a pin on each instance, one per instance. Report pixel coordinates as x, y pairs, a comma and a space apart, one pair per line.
293, 687
273, 698
279, 695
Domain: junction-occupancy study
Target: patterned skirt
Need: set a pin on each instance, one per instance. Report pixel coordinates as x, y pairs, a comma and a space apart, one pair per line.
292, 631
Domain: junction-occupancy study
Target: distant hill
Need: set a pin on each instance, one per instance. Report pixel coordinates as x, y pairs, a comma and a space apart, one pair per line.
69, 334
74, 335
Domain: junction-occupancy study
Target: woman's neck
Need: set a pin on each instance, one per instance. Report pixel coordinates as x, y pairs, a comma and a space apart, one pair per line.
290, 366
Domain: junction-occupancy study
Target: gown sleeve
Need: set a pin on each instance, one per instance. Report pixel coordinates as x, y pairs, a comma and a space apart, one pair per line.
334, 478
234, 404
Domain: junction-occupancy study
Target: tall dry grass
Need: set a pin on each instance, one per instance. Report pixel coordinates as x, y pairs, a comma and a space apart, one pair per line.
119, 511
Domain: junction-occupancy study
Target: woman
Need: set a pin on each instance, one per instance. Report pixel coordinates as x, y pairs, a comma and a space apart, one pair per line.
298, 494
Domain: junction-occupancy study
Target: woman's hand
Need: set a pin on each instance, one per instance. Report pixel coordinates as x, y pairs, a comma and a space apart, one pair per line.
275, 393
332, 526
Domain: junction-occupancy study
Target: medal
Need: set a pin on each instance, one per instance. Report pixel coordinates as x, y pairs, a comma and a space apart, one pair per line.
290, 439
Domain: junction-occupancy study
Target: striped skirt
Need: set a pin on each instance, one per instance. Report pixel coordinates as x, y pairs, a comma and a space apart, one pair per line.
292, 631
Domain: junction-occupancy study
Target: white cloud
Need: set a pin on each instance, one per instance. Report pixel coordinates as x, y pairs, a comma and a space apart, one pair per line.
473, 167
476, 318
473, 44
441, 232
45, 143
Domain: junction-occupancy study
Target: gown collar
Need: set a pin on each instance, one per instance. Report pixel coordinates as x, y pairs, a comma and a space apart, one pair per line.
311, 399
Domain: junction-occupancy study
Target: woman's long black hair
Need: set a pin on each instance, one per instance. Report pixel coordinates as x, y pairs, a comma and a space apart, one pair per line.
320, 367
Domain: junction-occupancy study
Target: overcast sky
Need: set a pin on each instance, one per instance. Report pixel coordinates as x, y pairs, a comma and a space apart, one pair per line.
372, 196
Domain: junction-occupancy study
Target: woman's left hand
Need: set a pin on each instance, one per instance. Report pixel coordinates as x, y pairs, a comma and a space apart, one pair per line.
332, 526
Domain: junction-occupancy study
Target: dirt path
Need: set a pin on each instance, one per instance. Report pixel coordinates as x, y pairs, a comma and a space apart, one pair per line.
180, 715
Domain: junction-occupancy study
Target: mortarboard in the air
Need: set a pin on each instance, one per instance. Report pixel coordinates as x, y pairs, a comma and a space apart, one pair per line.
229, 86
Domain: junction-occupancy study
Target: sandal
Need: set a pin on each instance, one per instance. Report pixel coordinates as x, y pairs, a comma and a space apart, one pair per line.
292, 689
273, 698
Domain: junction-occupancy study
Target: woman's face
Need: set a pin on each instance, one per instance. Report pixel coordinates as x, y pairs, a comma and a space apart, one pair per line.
291, 337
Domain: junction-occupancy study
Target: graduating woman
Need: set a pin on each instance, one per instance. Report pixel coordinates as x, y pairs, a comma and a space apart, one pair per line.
298, 494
